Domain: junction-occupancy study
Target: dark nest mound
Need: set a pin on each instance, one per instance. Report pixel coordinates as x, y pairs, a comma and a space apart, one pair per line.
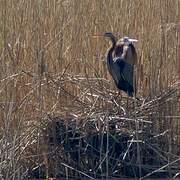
109, 137
78, 153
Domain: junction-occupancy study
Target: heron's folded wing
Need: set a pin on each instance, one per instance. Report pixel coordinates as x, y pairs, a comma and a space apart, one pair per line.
128, 73
131, 55
126, 70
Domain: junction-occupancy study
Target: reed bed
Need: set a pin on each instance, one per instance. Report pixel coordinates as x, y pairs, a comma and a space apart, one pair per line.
52, 69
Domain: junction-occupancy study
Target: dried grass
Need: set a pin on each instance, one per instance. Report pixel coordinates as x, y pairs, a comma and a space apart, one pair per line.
51, 66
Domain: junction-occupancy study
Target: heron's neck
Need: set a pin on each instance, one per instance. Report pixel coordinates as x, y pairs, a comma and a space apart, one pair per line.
113, 42
110, 54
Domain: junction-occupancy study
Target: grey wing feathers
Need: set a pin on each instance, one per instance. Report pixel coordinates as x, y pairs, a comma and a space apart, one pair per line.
127, 71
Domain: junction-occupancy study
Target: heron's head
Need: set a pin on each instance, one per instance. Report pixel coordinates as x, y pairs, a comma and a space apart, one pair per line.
109, 35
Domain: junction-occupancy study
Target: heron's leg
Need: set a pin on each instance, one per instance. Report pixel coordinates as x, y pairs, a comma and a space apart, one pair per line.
119, 95
127, 105
120, 109
118, 99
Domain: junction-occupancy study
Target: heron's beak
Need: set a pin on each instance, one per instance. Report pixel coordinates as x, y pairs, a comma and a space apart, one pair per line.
97, 35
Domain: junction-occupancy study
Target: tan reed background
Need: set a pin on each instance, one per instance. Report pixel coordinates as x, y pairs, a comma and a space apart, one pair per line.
42, 39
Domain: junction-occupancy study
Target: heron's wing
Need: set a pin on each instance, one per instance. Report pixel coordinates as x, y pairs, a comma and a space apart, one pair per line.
125, 70
128, 73
131, 55
115, 71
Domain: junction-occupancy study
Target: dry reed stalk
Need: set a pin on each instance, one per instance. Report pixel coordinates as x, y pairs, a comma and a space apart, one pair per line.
49, 64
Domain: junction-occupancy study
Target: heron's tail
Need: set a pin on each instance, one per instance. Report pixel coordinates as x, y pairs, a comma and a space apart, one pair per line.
131, 94
130, 91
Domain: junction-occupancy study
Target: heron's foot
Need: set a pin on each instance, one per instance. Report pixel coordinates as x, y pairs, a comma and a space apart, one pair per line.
118, 95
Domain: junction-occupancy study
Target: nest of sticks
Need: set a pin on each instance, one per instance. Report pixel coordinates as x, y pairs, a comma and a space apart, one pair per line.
98, 134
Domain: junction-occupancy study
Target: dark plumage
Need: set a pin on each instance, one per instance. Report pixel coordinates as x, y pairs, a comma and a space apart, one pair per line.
118, 50
125, 82
120, 62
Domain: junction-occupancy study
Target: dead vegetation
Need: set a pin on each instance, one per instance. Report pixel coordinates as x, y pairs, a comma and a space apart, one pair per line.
50, 66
